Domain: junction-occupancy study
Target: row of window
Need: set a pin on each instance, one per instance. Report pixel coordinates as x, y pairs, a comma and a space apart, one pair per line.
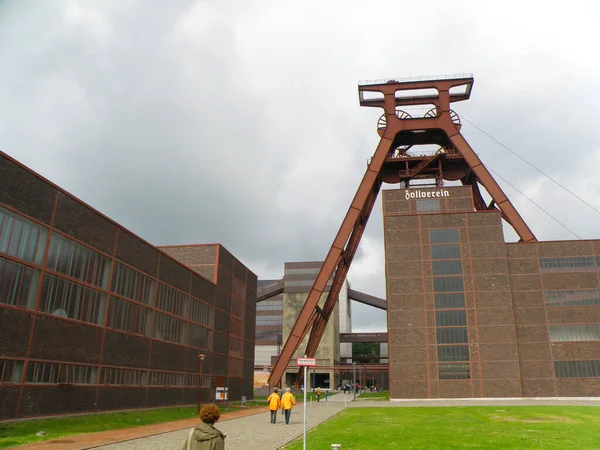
577, 369
26, 240
574, 333
270, 305
582, 297
269, 335
269, 320
11, 372
570, 264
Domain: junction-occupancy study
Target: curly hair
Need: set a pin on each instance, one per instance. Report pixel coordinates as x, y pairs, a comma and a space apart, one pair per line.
210, 414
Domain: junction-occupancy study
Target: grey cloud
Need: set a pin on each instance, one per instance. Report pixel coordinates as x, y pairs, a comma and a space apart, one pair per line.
238, 122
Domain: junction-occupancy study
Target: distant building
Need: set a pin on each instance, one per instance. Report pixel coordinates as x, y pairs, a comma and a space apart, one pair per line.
276, 316
93, 318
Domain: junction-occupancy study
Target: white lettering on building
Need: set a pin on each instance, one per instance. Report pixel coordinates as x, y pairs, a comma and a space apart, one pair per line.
426, 194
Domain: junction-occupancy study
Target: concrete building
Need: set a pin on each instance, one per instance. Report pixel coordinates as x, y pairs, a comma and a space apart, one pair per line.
277, 313
93, 318
470, 315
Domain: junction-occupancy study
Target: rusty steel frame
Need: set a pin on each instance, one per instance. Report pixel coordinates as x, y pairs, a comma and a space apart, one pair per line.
341, 253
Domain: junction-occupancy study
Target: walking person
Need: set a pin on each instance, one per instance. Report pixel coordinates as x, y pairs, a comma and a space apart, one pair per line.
318, 393
274, 404
205, 436
326, 395
287, 403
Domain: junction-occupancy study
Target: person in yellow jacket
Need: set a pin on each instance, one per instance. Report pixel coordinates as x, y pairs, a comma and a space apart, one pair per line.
287, 403
274, 404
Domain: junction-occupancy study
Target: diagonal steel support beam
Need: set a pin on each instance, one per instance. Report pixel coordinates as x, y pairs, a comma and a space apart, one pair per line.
318, 328
509, 213
334, 258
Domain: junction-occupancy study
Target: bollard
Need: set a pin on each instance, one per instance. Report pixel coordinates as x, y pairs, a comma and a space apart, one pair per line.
336, 446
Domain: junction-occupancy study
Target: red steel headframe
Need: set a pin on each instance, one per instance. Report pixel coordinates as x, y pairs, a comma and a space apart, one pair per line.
340, 255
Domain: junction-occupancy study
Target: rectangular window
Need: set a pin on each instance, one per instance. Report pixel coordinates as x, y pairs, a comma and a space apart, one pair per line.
18, 284
449, 301
568, 264
171, 300
167, 328
77, 261
55, 373
21, 238
166, 379
444, 236
451, 318
451, 353
11, 371
269, 335
447, 267
270, 305
457, 371
201, 313
452, 336
269, 320
448, 284
133, 285
577, 369
445, 252
127, 316
574, 333
199, 337
124, 377
428, 206
63, 298
582, 297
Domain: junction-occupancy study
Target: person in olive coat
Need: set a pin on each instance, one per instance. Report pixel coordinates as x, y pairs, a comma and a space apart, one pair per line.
205, 436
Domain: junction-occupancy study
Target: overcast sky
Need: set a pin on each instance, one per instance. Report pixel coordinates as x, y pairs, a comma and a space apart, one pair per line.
238, 121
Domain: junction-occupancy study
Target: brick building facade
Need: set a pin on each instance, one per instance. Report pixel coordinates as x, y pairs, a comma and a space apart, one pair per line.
472, 316
93, 318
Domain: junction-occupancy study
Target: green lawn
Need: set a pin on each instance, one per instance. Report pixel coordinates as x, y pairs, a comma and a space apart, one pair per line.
383, 395
18, 433
432, 428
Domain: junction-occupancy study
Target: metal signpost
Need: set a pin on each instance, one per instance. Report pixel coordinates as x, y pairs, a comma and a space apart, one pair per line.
305, 362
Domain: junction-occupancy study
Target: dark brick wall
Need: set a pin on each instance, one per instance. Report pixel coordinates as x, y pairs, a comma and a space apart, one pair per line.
174, 274
222, 300
222, 321
9, 398
26, 192
46, 400
220, 364
79, 221
164, 396
16, 327
122, 349
121, 398
134, 251
235, 389
61, 340
221, 343
225, 259
167, 356
203, 290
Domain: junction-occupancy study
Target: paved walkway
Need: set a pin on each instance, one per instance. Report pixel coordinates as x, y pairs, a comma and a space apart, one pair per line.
248, 433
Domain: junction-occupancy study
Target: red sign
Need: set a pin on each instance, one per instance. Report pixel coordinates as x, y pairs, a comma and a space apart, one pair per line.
306, 361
